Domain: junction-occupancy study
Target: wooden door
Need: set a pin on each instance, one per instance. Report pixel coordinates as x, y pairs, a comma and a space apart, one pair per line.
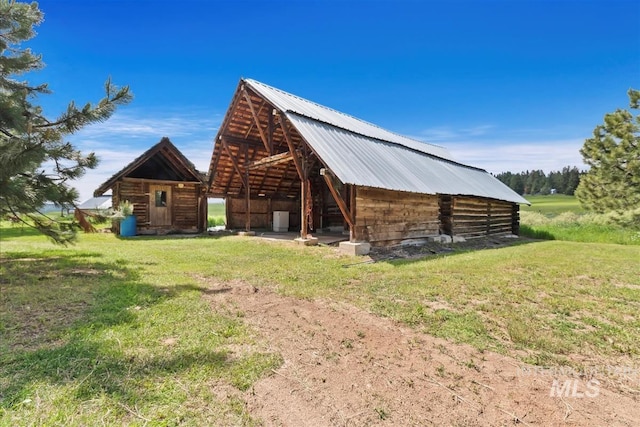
159, 205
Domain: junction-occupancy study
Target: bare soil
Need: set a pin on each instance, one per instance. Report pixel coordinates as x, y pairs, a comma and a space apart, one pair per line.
346, 367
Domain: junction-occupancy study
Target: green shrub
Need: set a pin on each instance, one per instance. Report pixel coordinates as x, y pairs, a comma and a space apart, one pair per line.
213, 221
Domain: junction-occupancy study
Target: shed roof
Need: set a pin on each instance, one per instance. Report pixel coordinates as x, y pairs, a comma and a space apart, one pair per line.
99, 202
361, 153
163, 161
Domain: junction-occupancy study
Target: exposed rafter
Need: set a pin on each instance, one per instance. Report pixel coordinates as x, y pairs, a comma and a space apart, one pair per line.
233, 161
256, 119
292, 148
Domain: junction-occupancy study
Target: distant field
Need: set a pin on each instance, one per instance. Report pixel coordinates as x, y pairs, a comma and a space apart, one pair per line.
216, 209
553, 204
560, 217
216, 215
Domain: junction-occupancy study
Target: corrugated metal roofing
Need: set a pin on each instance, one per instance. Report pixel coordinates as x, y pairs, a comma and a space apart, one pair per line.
289, 102
100, 202
359, 160
364, 154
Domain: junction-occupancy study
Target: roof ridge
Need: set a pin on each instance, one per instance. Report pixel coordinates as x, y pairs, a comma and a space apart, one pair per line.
343, 114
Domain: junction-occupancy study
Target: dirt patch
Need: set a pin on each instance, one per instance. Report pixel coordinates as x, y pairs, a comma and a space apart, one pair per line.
427, 249
346, 367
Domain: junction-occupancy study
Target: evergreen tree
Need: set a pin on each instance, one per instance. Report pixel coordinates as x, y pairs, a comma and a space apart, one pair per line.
36, 163
613, 182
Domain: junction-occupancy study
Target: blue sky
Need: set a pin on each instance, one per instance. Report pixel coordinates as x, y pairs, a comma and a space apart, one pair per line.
505, 85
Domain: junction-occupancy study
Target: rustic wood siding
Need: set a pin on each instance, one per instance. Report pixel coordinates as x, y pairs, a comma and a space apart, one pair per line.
261, 212
184, 215
185, 206
476, 217
385, 217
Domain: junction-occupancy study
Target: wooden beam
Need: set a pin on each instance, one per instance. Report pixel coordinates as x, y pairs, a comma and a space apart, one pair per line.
352, 210
234, 140
292, 148
303, 201
233, 161
263, 137
270, 130
248, 204
270, 161
339, 200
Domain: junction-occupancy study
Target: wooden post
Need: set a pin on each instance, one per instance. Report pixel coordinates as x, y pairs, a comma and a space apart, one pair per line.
352, 211
248, 202
303, 201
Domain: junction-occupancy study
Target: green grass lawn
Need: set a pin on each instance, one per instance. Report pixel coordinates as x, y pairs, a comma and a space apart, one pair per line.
116, 331
553, 204
561, 217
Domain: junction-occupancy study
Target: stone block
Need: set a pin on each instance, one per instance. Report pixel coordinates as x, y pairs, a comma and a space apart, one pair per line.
355, 248
309, 241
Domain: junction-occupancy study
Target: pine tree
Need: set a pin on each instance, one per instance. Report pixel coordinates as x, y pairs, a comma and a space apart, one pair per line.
613, 153
36, 163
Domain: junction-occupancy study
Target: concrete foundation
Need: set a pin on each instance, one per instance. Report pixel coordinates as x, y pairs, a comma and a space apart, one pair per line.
309, 241
246, 233
355, 249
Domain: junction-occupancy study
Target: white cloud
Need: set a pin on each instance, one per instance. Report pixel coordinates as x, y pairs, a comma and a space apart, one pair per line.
501, 150
442, 134
126, 135
548, 155
133, 125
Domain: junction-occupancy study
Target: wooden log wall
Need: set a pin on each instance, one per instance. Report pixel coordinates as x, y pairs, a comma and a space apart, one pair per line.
477, 217
261, 212
185, 206
385, 217
136, 192
185, 214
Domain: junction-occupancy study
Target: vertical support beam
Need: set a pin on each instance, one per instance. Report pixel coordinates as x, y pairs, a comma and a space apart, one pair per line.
248, 203
303, 201
352, 211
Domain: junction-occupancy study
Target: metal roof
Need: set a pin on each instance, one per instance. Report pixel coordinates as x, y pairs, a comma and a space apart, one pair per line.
363, 154
288, 102
100, 202
359, 160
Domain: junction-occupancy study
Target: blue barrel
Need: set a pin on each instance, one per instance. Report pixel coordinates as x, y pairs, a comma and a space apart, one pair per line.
128, 226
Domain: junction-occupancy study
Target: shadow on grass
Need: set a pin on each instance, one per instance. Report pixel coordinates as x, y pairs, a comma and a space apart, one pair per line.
17, 230
176, 236
52, 310
533, 233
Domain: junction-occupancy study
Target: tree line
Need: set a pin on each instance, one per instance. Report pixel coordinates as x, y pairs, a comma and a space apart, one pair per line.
537, 182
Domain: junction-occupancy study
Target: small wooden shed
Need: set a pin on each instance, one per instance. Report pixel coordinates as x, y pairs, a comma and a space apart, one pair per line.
166, 190
276, 152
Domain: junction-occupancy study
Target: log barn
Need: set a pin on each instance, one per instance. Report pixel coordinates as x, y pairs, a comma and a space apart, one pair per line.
276, 153
166, 190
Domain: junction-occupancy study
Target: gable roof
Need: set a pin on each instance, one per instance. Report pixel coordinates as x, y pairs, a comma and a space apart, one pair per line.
163, 161
290, 103
361, 153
